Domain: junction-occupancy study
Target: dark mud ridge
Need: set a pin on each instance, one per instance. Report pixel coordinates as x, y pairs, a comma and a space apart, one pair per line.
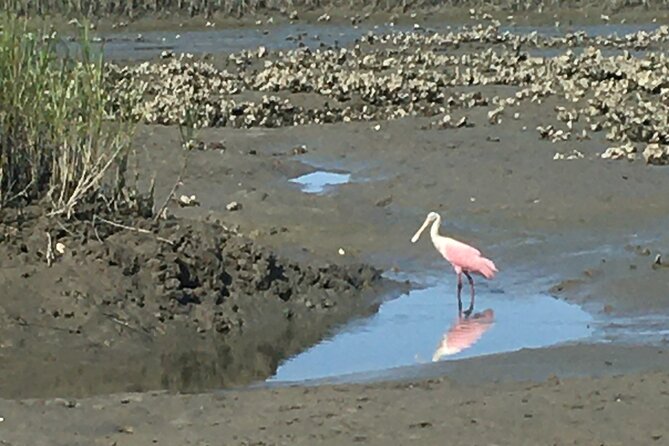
181, 305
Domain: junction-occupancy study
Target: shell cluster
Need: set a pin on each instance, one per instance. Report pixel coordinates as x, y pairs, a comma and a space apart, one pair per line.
603, 86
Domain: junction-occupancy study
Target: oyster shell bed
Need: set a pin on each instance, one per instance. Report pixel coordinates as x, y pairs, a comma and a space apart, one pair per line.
613, 84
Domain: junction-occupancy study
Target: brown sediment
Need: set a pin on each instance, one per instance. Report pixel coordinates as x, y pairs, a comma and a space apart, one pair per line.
179, 304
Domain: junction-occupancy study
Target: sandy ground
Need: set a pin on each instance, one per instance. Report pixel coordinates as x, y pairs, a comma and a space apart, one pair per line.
588, 228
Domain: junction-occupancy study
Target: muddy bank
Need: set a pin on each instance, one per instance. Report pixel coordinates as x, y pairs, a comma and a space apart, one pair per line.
183, 305
622, 406
633, 281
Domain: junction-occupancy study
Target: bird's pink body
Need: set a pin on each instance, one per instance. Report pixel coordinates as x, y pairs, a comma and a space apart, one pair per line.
465, 259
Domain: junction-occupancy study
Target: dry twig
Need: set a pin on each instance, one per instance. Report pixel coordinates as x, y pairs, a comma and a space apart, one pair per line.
131, 228
177, 183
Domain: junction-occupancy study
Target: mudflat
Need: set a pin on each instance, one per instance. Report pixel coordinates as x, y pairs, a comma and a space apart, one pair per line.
613, 410
146, 332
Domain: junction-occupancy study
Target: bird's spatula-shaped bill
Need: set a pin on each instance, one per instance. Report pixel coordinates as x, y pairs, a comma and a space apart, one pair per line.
427, 221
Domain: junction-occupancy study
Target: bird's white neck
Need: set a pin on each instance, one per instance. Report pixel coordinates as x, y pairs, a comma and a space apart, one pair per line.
434, 229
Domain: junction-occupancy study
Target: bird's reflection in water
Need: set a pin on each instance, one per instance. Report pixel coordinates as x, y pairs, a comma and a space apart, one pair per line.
464, 332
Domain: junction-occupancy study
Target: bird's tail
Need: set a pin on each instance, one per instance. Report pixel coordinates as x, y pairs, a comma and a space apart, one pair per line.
487, 267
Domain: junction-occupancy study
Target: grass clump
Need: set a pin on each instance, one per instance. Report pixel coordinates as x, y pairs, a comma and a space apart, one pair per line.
57, 141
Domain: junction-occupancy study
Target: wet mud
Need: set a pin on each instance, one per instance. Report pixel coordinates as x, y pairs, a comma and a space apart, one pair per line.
487, 407
186, 305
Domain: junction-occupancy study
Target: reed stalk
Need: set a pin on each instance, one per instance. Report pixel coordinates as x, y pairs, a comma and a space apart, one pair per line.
58, 144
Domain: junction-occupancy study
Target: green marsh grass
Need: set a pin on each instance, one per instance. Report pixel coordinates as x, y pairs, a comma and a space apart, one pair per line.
58, 143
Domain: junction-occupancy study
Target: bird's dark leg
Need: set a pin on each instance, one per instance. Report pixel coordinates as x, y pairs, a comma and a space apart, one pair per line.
459, 292
471, 303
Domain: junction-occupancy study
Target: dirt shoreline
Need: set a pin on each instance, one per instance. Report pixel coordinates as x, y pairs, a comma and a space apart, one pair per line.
190, 305
620, 406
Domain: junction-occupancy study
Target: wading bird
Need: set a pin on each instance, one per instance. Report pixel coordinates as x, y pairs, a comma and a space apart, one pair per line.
465, 259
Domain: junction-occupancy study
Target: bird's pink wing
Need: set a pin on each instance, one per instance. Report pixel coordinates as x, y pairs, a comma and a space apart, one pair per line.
460, 254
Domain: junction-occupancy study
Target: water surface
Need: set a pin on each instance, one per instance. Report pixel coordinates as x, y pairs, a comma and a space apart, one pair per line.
321, 181
423, 326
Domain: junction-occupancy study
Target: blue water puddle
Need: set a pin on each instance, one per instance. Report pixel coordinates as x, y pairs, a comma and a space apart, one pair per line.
320, 181
423, 326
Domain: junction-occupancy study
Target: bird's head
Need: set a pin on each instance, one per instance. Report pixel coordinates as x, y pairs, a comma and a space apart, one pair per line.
432, 216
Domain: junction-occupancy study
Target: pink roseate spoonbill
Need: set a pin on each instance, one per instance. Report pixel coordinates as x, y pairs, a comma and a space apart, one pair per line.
463, 258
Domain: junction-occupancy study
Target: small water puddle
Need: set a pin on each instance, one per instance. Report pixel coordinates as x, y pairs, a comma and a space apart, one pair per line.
422, 326
320, 181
